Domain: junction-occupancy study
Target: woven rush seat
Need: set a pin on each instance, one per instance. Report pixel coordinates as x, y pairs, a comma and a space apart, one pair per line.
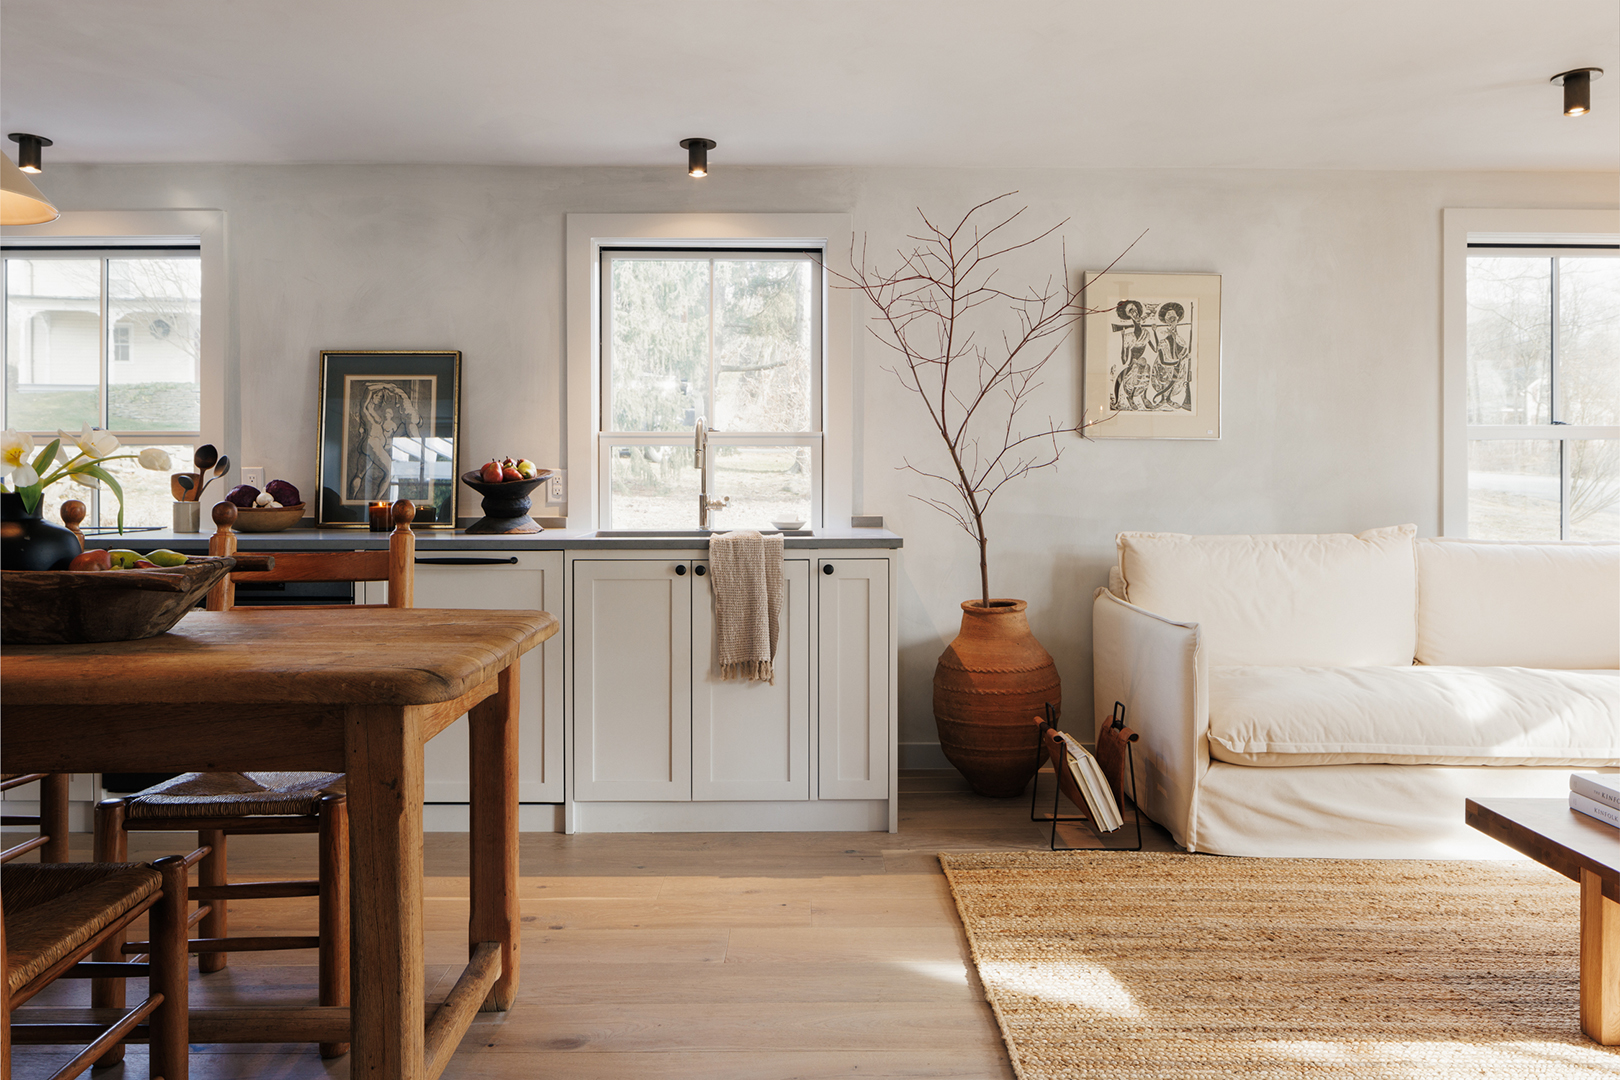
52, 909
218, 794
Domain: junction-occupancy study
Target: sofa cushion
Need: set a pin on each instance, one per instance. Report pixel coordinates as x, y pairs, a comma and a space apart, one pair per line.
1330, 599
1532, 605
1414, 716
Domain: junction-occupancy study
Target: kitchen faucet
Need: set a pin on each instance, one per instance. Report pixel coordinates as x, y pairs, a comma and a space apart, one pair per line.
705, 504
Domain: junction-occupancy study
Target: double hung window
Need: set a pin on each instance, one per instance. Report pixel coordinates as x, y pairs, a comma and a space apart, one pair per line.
111, 338
731, 338
1543, 392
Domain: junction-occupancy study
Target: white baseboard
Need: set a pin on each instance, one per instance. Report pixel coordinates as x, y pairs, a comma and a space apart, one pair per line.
840, 815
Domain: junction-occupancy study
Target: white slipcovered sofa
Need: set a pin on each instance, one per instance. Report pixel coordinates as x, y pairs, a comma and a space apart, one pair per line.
1340, 696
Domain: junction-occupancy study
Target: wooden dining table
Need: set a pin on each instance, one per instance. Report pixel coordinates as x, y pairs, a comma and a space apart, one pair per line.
315, 689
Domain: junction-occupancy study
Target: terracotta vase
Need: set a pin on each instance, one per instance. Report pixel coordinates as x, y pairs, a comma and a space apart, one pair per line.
990, 684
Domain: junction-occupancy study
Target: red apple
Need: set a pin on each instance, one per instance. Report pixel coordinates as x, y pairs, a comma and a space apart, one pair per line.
94, 559
490, 473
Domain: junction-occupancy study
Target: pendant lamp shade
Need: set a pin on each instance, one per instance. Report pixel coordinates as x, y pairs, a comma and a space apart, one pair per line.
20, 201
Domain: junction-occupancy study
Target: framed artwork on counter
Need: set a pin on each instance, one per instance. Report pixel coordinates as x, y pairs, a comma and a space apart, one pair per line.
387, 429
1151, 352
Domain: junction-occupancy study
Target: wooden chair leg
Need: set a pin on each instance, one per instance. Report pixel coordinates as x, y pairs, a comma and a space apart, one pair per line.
53, 817
111, 844
171, 965
5, 1008
334, 909
212, 871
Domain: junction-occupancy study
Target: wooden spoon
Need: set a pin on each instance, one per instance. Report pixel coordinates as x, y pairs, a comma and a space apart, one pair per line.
204, 456
181, 484
221, 469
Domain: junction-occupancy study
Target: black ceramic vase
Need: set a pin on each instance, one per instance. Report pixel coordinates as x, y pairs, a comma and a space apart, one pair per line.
29, 542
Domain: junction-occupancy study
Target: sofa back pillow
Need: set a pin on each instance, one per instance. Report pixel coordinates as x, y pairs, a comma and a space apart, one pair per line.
1493, 603
1329, 599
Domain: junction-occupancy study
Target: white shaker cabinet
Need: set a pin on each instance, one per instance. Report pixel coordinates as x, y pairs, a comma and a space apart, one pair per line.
853, 675
526, 580
632, 679
751, 739
661, 742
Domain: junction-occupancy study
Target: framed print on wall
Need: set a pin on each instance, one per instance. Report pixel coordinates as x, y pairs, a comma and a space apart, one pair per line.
387, 432
1152, 356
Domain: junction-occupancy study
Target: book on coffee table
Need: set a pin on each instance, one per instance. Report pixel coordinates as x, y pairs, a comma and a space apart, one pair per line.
1593, 809
1599, 787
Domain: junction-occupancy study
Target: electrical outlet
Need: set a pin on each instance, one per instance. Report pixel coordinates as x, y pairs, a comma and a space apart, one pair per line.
557, 488
253, 476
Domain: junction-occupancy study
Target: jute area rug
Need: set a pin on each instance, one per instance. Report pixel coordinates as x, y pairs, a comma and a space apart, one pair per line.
1172, 965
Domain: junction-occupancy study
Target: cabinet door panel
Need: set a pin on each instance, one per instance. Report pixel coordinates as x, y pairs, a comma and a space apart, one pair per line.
853, 699
632, 624
750, 739
534, 581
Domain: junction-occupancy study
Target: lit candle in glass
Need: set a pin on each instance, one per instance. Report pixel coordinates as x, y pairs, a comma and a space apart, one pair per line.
381, 519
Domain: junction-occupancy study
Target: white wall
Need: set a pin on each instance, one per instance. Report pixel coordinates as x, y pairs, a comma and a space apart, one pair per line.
1331, 340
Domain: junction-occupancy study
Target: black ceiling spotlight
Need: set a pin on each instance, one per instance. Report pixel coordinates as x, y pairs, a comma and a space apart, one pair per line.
1577, 86
28, 150
697, 155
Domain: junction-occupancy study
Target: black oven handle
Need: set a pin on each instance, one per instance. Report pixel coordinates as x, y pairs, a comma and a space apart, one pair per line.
468, 561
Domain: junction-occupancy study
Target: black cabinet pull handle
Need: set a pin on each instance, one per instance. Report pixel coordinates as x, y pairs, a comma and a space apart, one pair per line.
467, 561
680, 570
700, 570
826, 568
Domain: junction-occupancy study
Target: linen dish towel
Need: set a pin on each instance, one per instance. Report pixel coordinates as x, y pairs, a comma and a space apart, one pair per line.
747, 572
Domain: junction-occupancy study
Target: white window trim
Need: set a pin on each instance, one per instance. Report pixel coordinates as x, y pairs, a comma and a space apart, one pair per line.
1459, 226
588, 234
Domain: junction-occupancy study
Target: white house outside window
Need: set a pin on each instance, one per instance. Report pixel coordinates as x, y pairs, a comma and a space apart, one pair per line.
112, 338
730, 337
1543, 392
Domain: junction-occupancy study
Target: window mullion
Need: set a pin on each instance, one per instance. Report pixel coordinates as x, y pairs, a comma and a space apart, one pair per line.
708, 459
1564, 465
106, 333
1552, 346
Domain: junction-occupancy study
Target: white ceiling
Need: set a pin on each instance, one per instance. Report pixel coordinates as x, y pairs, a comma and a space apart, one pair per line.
1320, 84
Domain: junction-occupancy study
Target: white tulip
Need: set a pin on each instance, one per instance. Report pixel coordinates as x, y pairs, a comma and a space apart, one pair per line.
154, 458
16, 453
92, 443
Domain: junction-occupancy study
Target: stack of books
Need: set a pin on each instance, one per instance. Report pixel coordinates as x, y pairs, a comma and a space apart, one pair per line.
1089, 778
1596, 795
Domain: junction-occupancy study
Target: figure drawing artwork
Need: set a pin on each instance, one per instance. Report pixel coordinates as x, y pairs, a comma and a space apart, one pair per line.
388, 432
386, 447
1151, 349
1154, 355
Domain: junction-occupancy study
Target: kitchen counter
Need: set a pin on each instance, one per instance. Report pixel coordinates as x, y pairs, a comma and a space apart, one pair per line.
431, 540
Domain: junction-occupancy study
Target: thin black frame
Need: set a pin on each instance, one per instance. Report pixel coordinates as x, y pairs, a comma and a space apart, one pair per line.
441, 367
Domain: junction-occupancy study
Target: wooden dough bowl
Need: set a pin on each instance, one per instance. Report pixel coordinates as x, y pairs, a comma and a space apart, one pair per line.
68, 607
268, 519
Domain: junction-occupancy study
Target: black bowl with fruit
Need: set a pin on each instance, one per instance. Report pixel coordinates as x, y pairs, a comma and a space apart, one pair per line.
505, 486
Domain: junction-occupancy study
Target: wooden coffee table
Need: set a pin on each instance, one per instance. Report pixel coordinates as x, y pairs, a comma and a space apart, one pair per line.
1584, 850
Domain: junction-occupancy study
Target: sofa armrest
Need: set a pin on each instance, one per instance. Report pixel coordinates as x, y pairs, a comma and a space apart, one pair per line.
1158, 669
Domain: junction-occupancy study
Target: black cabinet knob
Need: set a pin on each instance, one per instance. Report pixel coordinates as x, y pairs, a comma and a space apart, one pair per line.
700, 570
826, 568
680, 570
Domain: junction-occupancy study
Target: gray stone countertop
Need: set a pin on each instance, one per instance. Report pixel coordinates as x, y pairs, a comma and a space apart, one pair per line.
428, 540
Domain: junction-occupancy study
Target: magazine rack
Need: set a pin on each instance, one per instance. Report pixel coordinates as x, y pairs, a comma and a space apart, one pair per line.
1113, 751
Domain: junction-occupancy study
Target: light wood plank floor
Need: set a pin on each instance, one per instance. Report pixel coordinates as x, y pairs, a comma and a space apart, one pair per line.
689, 955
